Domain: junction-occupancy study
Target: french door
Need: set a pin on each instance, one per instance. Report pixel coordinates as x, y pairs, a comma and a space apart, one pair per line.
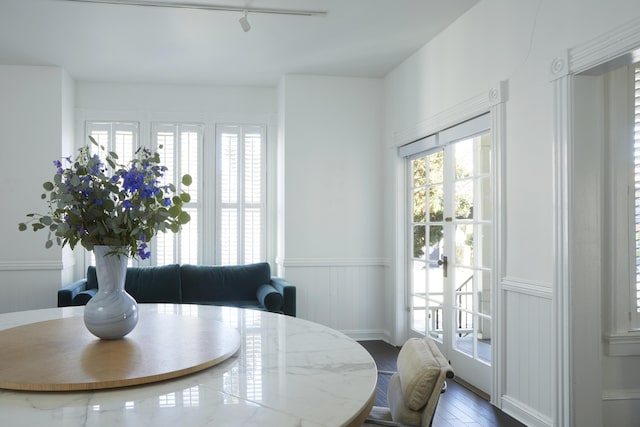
451, 246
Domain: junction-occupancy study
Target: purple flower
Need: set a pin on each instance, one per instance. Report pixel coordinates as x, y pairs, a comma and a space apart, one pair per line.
141, 251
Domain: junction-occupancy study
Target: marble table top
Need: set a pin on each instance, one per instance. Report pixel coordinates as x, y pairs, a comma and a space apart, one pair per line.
288, 372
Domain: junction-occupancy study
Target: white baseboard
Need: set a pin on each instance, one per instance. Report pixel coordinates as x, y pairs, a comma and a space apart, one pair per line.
368, 335
524, 413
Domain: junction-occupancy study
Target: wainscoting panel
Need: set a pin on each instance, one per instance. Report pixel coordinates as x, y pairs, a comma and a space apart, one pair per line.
29, 286
347, 295
528, 346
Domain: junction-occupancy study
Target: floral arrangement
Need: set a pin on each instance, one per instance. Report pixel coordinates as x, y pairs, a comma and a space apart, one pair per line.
121, 206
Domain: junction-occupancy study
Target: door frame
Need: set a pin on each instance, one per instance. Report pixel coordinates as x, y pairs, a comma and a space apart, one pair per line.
494, 103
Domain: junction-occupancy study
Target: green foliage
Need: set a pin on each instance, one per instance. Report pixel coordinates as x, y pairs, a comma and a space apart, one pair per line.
119, 205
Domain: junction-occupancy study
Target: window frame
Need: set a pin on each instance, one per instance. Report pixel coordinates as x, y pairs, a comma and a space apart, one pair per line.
240, 204
177, 128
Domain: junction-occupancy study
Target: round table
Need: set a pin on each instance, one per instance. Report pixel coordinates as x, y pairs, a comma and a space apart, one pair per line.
287, 372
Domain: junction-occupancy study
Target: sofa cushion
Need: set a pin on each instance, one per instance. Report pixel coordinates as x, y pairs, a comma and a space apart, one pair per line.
82, 298
148, 284
223, 283
270, 298
154, 284
201, 283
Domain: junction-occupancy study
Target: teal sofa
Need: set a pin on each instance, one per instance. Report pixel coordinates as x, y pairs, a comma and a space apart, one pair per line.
245, 286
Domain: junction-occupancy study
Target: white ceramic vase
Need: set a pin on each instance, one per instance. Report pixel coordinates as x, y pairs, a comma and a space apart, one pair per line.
112, 313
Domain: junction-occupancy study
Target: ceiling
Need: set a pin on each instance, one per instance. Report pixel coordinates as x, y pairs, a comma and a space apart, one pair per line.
122, 43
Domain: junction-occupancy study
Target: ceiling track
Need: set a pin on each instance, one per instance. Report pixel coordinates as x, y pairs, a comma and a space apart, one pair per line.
199, 6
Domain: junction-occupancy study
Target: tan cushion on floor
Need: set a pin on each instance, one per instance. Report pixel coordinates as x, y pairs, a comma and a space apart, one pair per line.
420, 365
399, 411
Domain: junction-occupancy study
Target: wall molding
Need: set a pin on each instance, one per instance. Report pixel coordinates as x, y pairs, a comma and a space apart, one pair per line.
469, 109
622, 344
336, 262
524, 413
42, 265
614, 44
621, 394
527, 287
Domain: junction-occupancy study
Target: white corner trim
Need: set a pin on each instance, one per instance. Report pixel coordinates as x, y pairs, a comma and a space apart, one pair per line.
336, 262
463, 111
622, 344
527, 287
617, 42
31, 265
621, 394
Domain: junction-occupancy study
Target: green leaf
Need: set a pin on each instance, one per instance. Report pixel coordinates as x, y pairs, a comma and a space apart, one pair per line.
186, 197
184, 218
48, 185
187, 180
22, 226
48, 244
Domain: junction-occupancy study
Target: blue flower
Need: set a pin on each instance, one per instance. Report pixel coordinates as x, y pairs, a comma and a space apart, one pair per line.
127, 205
141, 251
167, 201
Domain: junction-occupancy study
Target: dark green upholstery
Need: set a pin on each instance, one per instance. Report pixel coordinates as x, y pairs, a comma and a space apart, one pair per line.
246, 286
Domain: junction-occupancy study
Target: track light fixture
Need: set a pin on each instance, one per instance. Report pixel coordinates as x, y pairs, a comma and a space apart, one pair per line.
244, 22
201, 6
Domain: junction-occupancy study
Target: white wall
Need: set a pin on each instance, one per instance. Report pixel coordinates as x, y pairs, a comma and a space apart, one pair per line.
32, 105
333, 200
517, 42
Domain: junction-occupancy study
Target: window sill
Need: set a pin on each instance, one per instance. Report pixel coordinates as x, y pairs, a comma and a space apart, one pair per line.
622, 344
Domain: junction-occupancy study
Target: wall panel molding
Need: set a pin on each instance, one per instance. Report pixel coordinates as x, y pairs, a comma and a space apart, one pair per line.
336, 262
30, 265
621, 394
527, 287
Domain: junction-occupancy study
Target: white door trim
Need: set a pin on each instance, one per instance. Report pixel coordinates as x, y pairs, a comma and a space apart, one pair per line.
494, 102
607, 51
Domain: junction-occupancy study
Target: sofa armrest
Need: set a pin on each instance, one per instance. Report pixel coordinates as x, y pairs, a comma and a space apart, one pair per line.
67, 293
288, 292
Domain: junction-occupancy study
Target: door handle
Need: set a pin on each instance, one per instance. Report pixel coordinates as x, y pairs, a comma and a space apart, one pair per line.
444, 263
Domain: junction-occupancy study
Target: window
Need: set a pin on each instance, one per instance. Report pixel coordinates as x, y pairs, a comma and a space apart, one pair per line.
620, 205
240, 194
121, 138
232, 212
179, 146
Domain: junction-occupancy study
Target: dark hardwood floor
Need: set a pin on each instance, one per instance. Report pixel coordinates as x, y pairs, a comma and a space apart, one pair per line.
458, 407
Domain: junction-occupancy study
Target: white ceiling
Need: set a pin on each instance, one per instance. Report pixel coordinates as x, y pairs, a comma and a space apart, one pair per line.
119, 43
